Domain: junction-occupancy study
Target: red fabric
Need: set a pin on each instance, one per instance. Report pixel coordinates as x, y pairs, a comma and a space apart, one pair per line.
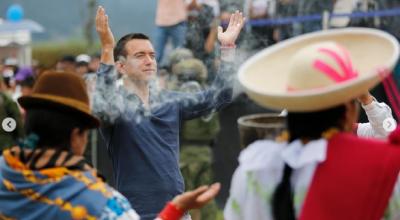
356, 180
170, 212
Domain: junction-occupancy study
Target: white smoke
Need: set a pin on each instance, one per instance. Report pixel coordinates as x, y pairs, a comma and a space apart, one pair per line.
110, 102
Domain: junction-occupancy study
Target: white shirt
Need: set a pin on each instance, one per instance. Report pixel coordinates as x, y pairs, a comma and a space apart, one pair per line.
376, 113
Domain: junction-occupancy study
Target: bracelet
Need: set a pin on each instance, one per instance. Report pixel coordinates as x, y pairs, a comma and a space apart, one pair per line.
170, 212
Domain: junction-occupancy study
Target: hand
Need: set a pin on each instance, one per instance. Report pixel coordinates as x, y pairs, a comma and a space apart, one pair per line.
193, 5
365, 98
196, 198
236, 22
103, 29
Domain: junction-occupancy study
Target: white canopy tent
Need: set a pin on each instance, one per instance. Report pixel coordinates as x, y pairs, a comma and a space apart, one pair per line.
15, 40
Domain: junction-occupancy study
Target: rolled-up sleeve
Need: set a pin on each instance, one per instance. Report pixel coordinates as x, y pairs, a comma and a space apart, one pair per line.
377, 113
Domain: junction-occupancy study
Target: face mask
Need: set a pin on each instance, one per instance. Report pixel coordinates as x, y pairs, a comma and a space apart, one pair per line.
8, 73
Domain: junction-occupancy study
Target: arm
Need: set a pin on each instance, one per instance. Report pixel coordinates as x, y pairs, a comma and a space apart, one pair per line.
118, 207
220, 92
106, 97
106, 37
212, 36
189, 200
377, 113
218, 95
192, 5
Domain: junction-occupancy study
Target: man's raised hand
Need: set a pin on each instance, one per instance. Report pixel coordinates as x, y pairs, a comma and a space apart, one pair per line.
236, 22
103, 29
106, 37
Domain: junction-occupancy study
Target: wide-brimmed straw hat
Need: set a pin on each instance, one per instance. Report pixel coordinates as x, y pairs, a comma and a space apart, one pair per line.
319, 70
61, 91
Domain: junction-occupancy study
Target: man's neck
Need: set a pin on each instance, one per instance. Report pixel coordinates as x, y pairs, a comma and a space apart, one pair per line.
140, 88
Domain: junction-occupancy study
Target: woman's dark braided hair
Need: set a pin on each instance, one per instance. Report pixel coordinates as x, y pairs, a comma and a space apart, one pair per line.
307, 126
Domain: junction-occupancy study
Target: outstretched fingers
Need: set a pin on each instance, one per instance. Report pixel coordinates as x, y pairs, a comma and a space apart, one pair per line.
100, 18
237, 21
209, 194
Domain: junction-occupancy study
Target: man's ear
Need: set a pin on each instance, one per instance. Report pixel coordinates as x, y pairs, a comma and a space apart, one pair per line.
120, 67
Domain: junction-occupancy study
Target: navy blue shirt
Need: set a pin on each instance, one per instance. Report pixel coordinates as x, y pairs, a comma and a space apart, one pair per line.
144, 145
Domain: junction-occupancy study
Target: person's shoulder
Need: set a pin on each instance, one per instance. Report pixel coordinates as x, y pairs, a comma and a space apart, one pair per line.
394, 137
260, 153
351, 140
118, 207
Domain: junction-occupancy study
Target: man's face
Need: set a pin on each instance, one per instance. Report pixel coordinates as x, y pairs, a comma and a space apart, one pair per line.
140, 63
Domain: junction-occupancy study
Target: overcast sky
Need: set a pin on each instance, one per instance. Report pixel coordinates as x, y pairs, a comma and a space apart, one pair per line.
65, 18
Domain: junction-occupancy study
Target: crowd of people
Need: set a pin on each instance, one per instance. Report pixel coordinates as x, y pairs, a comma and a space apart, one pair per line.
158, 117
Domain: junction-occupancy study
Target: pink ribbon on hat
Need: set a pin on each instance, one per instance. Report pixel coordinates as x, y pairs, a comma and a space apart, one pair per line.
344, 63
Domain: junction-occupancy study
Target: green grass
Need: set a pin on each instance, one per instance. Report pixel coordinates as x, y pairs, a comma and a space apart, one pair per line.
48, 53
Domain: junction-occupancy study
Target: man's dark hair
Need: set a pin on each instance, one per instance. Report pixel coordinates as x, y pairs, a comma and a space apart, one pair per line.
120, 50
309, 125
53, 126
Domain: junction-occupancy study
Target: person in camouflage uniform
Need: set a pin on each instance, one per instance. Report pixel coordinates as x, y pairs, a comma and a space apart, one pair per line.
178, 55
197, 135
8, 108
286, 8
166, 79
